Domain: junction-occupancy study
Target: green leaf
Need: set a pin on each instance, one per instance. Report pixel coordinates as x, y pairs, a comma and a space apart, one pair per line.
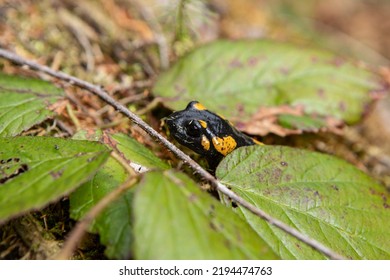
235, 78
24, 102
137, 153
37, 170
114, 225
174, 219
322, 196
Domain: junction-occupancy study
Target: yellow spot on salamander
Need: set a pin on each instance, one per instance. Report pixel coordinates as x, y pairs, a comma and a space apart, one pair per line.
223, 117
199, 106
203, 123
224, 145
205, 143
257, 142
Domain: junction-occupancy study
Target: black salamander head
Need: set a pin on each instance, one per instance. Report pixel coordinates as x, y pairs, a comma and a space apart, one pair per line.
205, 132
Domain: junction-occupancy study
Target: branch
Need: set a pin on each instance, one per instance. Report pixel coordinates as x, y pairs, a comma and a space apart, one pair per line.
100, 92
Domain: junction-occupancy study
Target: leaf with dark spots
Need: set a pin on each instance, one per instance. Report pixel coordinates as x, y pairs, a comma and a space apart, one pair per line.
270, 175
201, 229
192, 197
342, 106
57, 174
382, 194
338, 62
322, 196
321, 93
7, 173
235, 63
180, 90
34, 174
253, 61
227, 244
213, 226
267, 74
284, 70
211, 212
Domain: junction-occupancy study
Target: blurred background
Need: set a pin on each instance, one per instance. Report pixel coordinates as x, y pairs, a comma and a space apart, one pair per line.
354, 27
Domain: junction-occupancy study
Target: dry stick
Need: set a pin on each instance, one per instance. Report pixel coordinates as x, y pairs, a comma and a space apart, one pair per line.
100, 92
81, 227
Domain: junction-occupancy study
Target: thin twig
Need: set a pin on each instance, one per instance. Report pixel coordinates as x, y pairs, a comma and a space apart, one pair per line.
82, 226
122, 161
86, 45
73, 117
63, 126
100, 92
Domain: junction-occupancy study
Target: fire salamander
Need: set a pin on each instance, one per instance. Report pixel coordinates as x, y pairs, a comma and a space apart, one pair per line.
206, 133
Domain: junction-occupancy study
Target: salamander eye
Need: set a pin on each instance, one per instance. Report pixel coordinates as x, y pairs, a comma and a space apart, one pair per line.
193, 129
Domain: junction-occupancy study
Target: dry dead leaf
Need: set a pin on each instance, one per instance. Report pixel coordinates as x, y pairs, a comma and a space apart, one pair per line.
266, 121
